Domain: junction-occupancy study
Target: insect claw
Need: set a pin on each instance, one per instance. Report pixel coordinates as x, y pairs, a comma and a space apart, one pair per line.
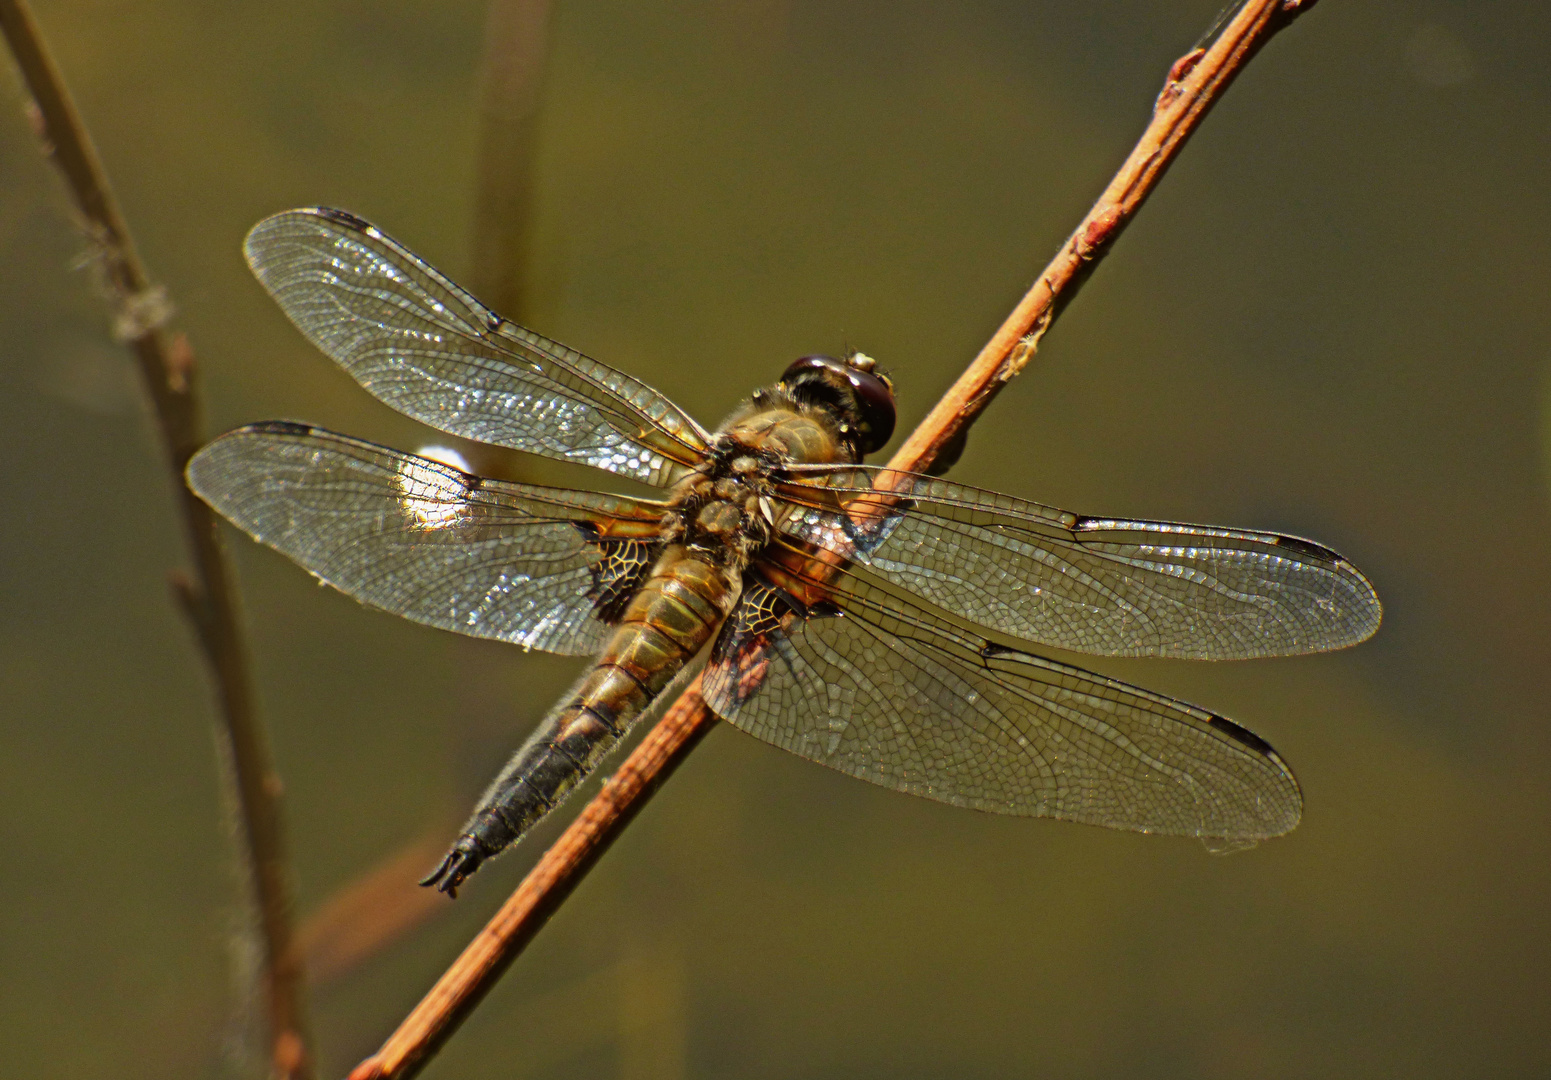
461, 861
436, 875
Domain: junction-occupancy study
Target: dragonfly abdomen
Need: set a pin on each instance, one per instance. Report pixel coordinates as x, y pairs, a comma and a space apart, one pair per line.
666, 623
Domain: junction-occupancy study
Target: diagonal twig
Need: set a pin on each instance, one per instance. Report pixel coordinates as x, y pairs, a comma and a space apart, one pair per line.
206, 595
1195, 82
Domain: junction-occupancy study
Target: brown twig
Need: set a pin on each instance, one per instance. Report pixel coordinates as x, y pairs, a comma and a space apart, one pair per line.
1195, 82
207, 595
511, 84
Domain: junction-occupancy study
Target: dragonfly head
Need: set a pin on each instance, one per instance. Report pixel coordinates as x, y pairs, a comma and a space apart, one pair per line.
859, 398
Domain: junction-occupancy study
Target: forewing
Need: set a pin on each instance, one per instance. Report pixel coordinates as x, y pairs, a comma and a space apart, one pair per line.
430, 350
890, 692
542, 567
1099, 586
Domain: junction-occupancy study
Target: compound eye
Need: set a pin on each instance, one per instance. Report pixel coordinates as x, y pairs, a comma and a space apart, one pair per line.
871, 393
875, 399
804, 364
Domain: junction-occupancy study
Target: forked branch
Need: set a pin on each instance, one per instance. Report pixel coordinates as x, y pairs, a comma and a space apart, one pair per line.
207, 594
1195, 82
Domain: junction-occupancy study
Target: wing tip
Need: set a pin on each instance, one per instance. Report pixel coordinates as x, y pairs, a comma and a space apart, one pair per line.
194, 472
1283, 814
204, 466
1363, 612
253, 243
1367, 598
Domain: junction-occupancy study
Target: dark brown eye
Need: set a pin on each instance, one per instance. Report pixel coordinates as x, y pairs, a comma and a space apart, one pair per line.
805, 365
875, 398
872, 396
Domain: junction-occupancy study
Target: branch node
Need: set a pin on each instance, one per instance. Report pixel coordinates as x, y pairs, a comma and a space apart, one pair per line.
1099, 231
180, 364
1172, 86
139, 313
39, 127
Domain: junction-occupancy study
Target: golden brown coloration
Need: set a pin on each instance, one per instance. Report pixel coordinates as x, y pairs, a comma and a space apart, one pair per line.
902, 626
719, 518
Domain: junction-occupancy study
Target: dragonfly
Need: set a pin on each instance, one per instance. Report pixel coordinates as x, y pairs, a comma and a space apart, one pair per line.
883, 623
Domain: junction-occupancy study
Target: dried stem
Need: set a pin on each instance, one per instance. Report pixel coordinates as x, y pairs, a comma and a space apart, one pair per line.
511, 85
1194, 84
207, 595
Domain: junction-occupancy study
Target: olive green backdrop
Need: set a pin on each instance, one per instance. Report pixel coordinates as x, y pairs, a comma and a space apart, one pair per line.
1331, 320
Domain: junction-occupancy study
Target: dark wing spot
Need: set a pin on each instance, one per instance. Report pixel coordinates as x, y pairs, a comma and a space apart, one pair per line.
769, 601
870, 538
741, 658
747, 663
1307, 548
279, 427
343, 217
618, 573
493, 322
1242, 735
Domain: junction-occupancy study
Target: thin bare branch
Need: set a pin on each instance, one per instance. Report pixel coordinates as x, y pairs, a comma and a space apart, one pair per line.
1195, 82
511, 82
207, 594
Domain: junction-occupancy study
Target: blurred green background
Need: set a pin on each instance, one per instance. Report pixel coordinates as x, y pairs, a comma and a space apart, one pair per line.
1331, 320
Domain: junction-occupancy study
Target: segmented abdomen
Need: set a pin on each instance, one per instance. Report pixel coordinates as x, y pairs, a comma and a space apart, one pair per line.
666, 623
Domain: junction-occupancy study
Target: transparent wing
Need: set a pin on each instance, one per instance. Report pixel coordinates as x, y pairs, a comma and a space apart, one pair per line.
430, 350
885, 690
542, 567
1092, 585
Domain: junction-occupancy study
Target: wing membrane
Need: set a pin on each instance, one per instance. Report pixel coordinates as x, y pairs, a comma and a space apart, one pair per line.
888, 691
541, 567
432, 351
1098, 586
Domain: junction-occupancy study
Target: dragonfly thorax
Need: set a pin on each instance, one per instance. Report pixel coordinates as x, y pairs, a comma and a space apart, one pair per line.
724, 510
721, 512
